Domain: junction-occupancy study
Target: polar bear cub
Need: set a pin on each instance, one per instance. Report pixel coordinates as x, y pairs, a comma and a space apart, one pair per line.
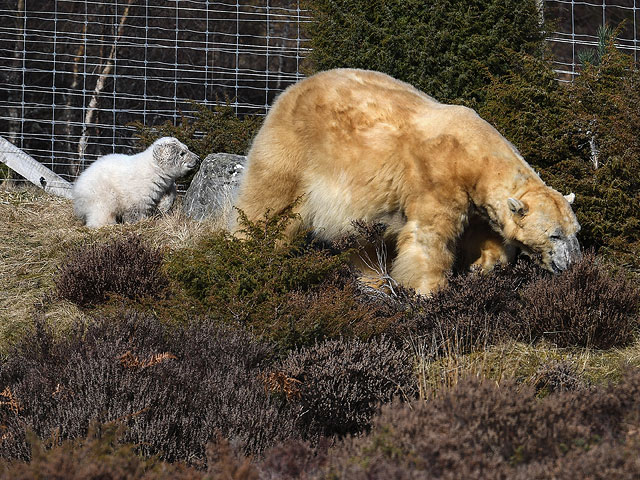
126, 188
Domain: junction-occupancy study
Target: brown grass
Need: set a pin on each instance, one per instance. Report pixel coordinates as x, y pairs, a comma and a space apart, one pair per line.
8, 399
278, 382
524, 362
37, 230
132, 361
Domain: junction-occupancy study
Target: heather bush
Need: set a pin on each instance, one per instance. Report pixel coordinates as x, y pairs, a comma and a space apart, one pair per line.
99, 456
340, 383
473, 311
586, 306
125, 266
172, 388
482, 430
294, 459
175, 388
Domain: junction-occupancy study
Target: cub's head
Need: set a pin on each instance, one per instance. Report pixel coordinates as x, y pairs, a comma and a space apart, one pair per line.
173, 156
543, 224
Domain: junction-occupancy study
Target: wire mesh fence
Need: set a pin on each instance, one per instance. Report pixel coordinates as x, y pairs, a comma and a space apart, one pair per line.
575, 28
77, 73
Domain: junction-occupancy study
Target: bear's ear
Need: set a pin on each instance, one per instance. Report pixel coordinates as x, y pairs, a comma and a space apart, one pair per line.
516, 206
570, 198
162, 151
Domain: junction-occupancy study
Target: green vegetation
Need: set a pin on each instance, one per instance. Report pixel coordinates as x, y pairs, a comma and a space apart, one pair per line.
448, 48
211, 130
582, 137
295, 293
171, 349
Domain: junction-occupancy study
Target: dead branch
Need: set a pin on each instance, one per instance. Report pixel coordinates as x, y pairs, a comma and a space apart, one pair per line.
106, 70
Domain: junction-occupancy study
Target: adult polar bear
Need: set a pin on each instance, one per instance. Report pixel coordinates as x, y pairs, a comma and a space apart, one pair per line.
357, 144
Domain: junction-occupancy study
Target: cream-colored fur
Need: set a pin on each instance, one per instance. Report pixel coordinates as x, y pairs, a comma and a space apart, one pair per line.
127, 188
482, 247
356, 144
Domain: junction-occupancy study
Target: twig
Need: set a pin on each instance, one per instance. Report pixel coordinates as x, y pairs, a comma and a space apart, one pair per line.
93, 104
74, 169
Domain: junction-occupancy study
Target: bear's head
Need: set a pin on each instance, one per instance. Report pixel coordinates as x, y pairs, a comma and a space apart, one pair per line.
173, 156
544, 226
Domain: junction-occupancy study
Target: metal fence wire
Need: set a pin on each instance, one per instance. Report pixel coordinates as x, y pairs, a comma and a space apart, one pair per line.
76, 73
574, 28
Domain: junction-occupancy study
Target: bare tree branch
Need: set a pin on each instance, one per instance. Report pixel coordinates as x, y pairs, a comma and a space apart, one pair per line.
106, 70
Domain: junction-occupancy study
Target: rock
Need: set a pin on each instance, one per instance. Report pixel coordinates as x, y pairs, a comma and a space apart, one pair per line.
211, 191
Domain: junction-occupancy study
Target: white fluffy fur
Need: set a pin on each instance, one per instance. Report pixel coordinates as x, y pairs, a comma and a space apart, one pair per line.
127, 188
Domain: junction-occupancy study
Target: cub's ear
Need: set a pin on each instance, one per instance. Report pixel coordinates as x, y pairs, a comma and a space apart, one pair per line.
162, 151
516, 206
570, 198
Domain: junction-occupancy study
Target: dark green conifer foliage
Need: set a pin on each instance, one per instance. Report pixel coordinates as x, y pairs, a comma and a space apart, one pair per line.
209, 130
447, 48
582, 137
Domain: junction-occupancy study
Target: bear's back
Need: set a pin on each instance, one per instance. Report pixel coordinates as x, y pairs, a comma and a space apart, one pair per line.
367, 94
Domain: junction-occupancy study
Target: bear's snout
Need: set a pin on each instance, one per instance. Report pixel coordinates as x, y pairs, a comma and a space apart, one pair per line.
192, 161
564, 253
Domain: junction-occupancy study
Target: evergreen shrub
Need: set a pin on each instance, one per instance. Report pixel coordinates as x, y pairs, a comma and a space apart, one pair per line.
447, 48
582, 138
294, 292
211, 130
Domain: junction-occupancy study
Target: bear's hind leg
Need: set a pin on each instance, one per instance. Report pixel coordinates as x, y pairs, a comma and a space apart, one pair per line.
270, 185
481, 247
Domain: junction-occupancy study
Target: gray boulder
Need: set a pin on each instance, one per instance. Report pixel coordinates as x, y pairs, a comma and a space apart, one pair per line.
211, 191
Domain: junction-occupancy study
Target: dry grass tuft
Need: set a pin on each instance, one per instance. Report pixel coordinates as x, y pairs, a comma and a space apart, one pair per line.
38, 230
524, 362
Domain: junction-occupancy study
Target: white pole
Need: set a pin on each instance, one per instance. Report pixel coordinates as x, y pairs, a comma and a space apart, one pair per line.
32, 170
